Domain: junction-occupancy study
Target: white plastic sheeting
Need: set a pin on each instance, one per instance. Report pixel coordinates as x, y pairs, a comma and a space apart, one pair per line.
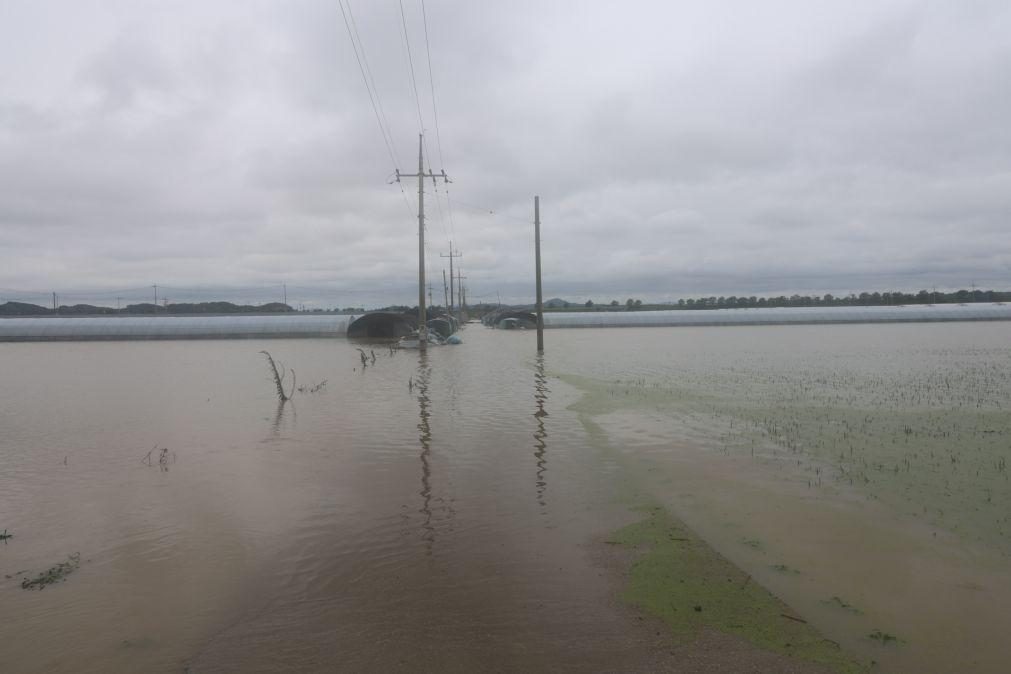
45, 328
781, 315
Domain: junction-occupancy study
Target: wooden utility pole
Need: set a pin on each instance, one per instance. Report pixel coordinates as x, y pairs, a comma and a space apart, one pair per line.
421, 175
537, 256
452, 299
54, 302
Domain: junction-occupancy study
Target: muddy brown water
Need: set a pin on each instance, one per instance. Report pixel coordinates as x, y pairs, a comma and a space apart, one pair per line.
427, 513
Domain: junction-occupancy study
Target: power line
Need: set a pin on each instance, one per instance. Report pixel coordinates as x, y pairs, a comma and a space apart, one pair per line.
377, 107
414, 81
365, 79
375, 89
431, 81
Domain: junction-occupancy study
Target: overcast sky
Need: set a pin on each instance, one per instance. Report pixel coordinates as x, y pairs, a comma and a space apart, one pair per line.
679, 148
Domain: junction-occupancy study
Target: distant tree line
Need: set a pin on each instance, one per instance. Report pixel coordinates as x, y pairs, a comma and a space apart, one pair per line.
828, 300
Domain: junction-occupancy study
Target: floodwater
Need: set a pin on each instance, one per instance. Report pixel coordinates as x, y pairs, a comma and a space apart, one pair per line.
445, 512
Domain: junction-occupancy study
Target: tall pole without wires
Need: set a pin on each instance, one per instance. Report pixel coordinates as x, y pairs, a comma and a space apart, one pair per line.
421, 175
537, 255
445, 292
452, 299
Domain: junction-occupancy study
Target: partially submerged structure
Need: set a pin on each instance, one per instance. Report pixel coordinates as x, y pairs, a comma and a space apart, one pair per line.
382, 325
391, 325
511, 318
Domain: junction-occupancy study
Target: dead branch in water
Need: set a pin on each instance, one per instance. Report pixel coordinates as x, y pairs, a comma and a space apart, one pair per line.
312, 388
279, 378
162, 458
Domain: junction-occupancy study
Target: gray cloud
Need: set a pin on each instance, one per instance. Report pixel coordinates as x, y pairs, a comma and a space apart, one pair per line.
678, 148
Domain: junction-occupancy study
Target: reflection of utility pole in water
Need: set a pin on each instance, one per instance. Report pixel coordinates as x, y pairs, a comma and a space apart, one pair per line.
425, 439
540, 445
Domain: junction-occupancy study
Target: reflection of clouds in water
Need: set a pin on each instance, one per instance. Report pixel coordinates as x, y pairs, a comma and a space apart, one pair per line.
540, 435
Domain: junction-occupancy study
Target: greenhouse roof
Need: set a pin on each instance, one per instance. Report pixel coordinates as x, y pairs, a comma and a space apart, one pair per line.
782, 315
171, 327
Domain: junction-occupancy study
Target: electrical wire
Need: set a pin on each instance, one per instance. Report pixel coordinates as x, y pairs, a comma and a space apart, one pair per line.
410, 61
377, 109
365, 79
435, 115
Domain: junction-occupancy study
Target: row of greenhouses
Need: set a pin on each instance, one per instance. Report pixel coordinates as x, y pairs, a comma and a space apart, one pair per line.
46, 328
171, 327
781, 315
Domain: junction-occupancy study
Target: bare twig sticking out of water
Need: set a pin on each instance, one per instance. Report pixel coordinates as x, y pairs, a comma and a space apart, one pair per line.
4, 536
279, 378
162, 458
313, 388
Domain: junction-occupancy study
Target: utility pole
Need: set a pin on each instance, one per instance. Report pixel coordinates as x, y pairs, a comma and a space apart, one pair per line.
537, 255
459, 285
155, 286
421, 175
54, 303
284, 293
445, 291
430, 302
452, 300
117, 304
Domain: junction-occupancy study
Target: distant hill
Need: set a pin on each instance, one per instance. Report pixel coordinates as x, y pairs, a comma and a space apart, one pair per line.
25, 309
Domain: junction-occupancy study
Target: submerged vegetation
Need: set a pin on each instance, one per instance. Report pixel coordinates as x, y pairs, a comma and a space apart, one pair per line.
682, 580
162, 458
929, 434
54, 574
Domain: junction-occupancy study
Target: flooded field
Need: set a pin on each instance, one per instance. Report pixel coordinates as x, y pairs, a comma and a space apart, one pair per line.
469, 510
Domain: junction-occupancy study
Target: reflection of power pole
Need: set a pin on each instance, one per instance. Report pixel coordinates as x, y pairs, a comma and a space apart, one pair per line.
421, 175
452, 299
